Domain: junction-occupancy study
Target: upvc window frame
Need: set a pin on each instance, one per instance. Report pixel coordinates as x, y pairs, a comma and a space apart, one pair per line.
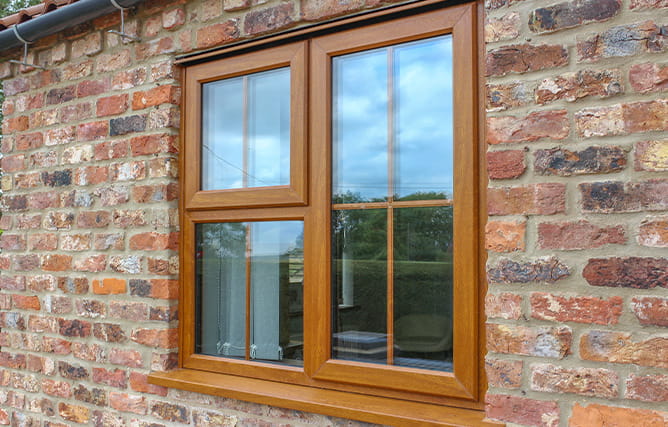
370, 392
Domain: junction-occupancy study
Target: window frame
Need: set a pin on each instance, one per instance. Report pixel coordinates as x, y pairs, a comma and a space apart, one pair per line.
356, 388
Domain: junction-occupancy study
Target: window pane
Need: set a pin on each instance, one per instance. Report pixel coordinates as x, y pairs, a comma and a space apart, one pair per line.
246, 131
360, 126
360, 284
262, 261
423, 282
423, 119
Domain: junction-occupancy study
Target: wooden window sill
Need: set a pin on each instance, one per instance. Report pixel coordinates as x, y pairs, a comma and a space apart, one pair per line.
321, 401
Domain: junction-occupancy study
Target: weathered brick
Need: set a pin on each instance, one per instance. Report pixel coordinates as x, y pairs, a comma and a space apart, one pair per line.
503, 306
56, 388
131, 264
128, 79
592, 160
580, 309
74, 413
619, 347
153, 144
578, 235
319, 9
651, 156
173, 18
621, 41
616, 197
170, 412
61, 95
106, 241
113, 61
217, 34
573, 86
74, 328
92, 87
540, 341
649, 77
134, 311
534, 199
113, 195
56, 262
159, 338
139, 383
112, 105
506, 27
535, 126
584, 381
92, 131
129, 358
26, 302
90, 308
648, 4
505, 236
94, 396
109, 332
648, 388
524, 58
110, 150
153, 241
128, 403
572, 14
91, 264
506, 164
627, 272
113, 378
72, 372
73, 285
269, 19
88, 45
651, 310
155, 193
522, 410
595, 415
29, 141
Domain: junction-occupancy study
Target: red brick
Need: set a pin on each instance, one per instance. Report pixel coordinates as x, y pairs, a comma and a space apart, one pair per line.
529, 341
648, 388
24, 302
92, 87
157, 338
128, 403
627, 272
152, 241
56, 346
56, 262
129, 358
43, 242
584, 381
524, 58
112, 105
12, 242
92, 131
649, 77
155, 47
10, 164
595, 415
16, 283
110, 150
56, 388
504, 236
619, 347
319, 9
153, 144
170, 412
75, 242
15, 124
113, 61
651, 156
542, 124
91, 175
578, 309
522, 410
139, 383
91, 264
155, 193
533, 199
578, 235
109, 286
651, 310
116, 378
127, 171
504, 306
26, 262
173, 18
165, 94
29, 141
648, 4
507, 164
504, 373
128, 79
217, 34
134, 311
572, 14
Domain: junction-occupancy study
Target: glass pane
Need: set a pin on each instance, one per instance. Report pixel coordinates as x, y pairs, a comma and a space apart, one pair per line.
274, 273
246, 131
222, 134
423, 120
269, 128
359, 127
423, 281
359, 265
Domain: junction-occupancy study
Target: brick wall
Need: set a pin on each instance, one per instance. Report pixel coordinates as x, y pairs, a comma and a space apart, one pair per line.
578, 202
577, 234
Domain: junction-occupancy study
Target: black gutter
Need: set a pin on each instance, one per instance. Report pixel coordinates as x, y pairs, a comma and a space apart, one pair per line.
59, 20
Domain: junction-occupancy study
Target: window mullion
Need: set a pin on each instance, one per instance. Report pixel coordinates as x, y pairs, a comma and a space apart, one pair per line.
245, 154
390, 211
249, 249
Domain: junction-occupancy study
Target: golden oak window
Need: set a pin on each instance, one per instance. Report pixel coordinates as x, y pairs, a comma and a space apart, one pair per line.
330, 214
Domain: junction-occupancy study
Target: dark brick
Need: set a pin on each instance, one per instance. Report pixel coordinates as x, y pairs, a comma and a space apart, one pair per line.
124, 125
269, 19
615, 196
525, 58
109, 332
140, 288
61, 95
170, 412
74, 328
592, 160
571, 14
627, 272
57, 178
72, 372
542, 270
94, 396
